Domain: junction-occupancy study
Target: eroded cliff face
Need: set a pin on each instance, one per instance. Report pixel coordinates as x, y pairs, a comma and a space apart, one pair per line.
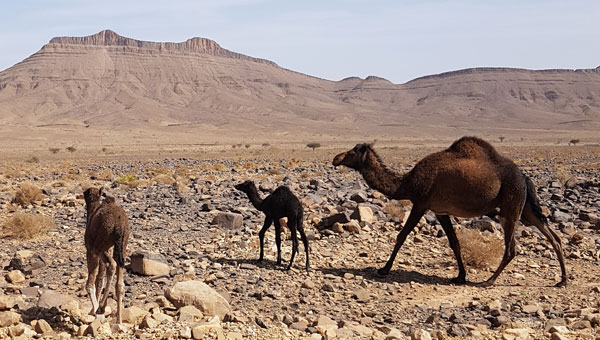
108, 81
108, 38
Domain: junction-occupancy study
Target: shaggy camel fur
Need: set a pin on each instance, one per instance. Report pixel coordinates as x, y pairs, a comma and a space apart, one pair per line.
106, 237
468, 179
281, 203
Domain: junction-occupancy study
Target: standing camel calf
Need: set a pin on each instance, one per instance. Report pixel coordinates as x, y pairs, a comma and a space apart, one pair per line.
468, 179
281, 203
106, 236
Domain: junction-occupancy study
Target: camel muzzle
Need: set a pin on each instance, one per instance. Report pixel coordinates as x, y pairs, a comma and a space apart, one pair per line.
337, 160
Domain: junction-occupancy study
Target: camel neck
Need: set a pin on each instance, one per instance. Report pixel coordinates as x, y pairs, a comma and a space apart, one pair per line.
255, 198
379, 177
92, 208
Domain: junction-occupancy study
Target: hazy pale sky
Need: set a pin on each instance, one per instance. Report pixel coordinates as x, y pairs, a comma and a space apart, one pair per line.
397, 40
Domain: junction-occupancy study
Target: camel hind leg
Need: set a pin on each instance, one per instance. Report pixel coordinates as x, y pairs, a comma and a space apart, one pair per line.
509, 250
110, 273
529, 218
292, 227
90, 286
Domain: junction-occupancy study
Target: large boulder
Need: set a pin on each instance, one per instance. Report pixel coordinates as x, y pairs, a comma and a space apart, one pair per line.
200, 295
147, 263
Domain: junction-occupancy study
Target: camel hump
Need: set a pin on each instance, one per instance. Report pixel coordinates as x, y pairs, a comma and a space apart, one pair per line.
472, 147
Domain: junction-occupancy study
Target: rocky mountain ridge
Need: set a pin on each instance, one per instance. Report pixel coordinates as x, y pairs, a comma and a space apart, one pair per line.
107, 81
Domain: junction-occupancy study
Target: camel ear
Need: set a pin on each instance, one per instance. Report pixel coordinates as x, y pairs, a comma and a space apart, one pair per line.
363, 150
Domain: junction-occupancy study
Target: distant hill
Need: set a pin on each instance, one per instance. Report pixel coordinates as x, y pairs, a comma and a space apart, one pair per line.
107, 81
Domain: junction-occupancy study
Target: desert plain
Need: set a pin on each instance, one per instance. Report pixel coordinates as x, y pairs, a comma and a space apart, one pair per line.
172, 198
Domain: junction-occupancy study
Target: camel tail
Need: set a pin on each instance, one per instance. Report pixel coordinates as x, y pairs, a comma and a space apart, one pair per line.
300, 219
534, 201
119, 238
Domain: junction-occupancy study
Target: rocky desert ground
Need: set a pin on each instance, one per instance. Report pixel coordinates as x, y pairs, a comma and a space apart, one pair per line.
191, 269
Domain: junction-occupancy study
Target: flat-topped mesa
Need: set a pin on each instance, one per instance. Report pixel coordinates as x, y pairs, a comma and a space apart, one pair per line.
197, 45
481, 70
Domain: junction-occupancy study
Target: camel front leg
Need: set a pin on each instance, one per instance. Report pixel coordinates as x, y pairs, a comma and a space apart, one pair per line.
261, 236
278, 239
453, 240
411, 223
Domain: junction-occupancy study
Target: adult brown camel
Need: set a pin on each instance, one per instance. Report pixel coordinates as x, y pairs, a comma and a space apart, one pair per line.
469, 179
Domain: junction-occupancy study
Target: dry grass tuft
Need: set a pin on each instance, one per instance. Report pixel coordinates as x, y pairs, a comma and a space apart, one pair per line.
23, 225
479, 251
105, 175
274, 172
28, 194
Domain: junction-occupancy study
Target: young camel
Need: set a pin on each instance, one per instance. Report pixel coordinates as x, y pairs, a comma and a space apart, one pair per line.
468, 179
106, 237
281, 203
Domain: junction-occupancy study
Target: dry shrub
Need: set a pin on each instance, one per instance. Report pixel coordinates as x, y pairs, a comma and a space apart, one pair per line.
23, 225
562, 175
27, 194
274, 172
219, 167
153, 170
250, 165
395, 209
479, 251
164, 179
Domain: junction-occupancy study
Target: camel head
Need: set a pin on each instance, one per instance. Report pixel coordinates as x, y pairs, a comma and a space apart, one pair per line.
92, 195
355, 157
245, 186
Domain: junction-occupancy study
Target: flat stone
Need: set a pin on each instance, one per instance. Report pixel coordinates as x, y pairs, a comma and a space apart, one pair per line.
149, 264
352, 227
43, 327
228, 220
420, 334
361, 295
363, 213
149, 322
200, 331
9, 318
133, 315
50, 298
558, 336
15, 276
7, 302
530, 309
190, 314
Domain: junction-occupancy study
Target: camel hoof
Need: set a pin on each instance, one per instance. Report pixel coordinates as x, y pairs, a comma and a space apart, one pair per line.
308, 269
561, 284
383, 271
459, 280
484, 284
